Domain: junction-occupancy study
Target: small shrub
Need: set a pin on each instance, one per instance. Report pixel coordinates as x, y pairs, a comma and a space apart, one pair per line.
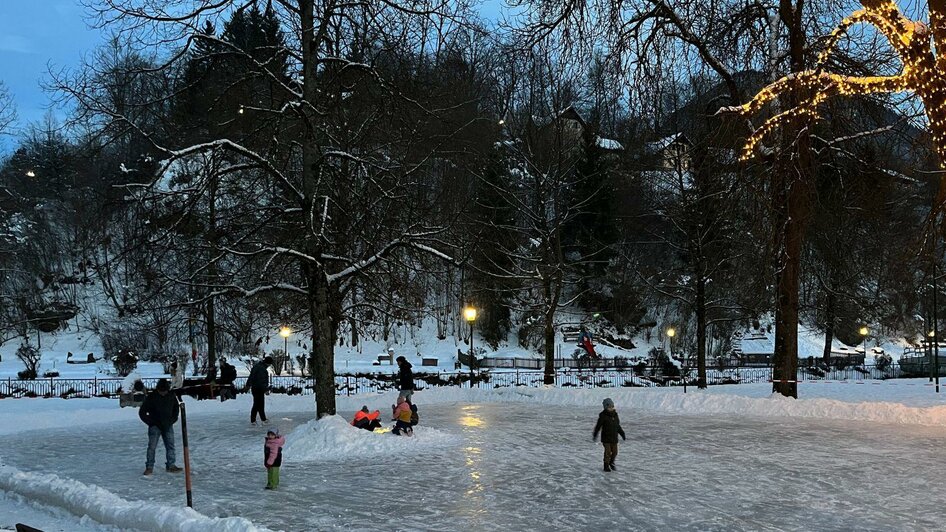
125, 361
883, 361
30, 357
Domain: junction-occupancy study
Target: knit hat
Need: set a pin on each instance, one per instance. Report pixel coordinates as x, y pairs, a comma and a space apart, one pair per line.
608, 403
274, 431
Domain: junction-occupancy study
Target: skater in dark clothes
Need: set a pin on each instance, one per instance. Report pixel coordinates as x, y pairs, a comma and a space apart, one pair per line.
258, 384
405, 379
610, 426
159, 411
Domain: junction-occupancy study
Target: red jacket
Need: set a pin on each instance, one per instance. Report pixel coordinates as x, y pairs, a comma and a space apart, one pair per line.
359, 415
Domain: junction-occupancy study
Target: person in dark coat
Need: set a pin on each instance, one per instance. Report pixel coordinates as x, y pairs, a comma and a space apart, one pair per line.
405, 378
159, 411
227, 377
609, 425
258, 384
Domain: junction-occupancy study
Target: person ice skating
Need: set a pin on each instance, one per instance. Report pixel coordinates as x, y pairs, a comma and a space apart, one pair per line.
610, 426
367, 420
401, 414
258, 384
272, 457
159, 411
405, 378
225, 381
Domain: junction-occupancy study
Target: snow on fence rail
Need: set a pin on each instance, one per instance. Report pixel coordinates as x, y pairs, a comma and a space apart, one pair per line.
640, 376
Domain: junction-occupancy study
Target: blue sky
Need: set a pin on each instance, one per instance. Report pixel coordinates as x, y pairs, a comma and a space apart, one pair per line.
34, 34
38, 34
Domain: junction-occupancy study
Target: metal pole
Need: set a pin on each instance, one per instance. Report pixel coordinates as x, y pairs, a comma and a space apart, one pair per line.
472, 356
187, 456
935, 332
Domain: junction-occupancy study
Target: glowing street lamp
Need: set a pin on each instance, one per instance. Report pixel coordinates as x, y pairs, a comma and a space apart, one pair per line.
285, 332
469, 314
502, 122
864, 331
30, 173
240, 110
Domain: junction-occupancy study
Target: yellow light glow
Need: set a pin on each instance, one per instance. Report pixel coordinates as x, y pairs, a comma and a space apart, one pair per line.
864, 331
285, 332
671, 332
469, 314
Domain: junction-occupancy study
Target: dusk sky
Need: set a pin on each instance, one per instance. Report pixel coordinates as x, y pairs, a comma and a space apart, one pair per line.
33, 36
38, 34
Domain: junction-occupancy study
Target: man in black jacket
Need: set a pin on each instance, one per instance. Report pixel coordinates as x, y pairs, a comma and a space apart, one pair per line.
159, 411
405, 378
258, 384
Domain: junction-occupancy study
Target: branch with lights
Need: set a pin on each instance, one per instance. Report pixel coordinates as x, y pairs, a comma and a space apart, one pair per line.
923, 73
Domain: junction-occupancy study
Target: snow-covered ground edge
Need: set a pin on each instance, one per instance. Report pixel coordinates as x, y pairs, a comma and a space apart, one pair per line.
104, 507
906, 401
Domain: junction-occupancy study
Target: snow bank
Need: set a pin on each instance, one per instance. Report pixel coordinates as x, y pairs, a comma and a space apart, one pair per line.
713, 402
332, 438
107, 508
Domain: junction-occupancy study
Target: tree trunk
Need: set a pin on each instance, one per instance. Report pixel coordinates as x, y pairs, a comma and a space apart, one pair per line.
319, 296
701, 332
549, 331
791, 181
829, 311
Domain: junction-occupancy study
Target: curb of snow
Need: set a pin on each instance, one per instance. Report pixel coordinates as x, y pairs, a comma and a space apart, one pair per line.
107, 508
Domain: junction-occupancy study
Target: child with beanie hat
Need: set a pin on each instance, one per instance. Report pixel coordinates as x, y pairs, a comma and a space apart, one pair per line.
272, 457
610, 427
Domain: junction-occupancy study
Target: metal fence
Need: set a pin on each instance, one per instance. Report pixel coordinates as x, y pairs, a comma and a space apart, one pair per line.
637, 376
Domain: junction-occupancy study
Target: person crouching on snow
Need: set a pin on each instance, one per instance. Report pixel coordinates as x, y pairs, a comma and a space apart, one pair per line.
402, 416
272, 457
366, 420
610, 426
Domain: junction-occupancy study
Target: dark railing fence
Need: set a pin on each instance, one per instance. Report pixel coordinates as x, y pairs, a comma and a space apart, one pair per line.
630, 376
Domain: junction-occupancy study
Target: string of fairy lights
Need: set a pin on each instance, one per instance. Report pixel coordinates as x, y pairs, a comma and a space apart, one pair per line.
922, 73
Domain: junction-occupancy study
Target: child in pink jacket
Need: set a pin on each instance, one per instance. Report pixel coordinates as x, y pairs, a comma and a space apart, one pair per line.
272, 457
402, 415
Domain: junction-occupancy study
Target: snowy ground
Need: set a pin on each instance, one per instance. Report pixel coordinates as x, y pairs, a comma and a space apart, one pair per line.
730, 458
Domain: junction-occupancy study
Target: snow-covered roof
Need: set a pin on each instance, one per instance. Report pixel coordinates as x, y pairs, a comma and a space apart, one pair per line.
662, 144
608, 144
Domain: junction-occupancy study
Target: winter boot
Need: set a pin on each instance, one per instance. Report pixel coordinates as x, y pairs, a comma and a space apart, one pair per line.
174, 469
613, 468
148, 472
607, 467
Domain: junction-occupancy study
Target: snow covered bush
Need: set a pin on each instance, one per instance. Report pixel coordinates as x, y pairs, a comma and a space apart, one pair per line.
30, 357
125, 362
883, 361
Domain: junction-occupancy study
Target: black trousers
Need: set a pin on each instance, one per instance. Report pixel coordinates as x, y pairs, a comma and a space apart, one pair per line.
259, 405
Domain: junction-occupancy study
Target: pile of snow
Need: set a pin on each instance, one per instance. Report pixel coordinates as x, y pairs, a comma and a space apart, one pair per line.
333, 438
107, 508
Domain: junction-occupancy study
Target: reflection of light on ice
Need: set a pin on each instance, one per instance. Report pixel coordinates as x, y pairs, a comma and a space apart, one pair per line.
471, 419
382, 430
472, 457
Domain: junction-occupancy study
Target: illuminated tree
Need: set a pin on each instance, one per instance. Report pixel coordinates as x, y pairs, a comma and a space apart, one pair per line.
923, 73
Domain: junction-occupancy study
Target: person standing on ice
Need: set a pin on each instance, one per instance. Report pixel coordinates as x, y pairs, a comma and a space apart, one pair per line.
272, 457
405, 378
159, 411
610, 426
258, 384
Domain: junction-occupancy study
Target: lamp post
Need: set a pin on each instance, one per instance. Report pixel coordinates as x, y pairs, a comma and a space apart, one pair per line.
469, 314
864, 332
285, 332
671, 332
30, 173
